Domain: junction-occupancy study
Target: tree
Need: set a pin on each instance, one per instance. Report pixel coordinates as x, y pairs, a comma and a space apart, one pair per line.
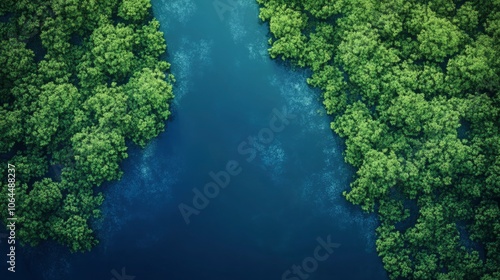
134, 9
98, 154
111, 49
74, 233
147, 94
474, 70
287, 29
378, 174
52, 113
439, 38
17, 62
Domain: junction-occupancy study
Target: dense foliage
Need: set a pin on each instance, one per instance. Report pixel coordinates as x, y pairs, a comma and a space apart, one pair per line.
78, 80
413, 87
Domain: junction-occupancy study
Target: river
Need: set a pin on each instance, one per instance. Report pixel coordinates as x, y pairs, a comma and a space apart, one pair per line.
236, 111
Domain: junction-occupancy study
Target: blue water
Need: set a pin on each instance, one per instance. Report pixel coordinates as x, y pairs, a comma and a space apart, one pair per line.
270, 216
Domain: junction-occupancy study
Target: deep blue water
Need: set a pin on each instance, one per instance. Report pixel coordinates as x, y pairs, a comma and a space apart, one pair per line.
269, 216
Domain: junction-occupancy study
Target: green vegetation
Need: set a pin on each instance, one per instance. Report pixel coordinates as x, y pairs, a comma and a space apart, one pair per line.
413, 87
78, 80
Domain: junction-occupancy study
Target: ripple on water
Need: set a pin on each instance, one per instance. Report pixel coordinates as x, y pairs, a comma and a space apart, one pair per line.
301, 99
139, 187
237, 19
273, 159
258, 50
241, 11
324, 189
186, 61
180, 11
